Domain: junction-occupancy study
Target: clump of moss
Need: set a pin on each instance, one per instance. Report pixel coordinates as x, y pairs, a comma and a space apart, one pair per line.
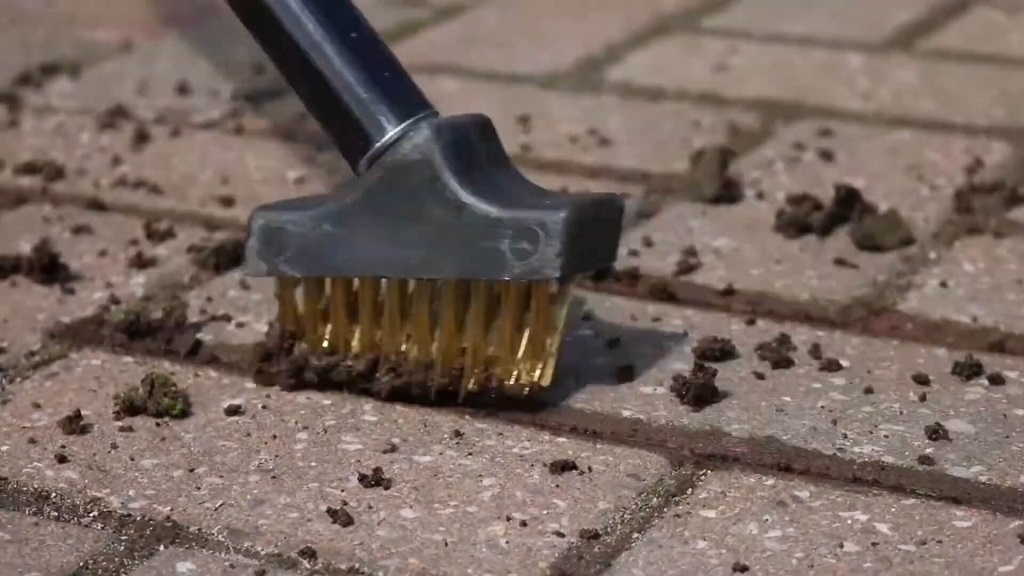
157, 396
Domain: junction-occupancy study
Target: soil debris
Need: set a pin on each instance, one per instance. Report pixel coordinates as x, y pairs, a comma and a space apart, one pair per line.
715, 349
225, 200
995, 379
758, 375
921, 379
562, 466
220, 256
777, 352
936, 432
141, 137
138, 184
843, 262
139, 260
740, 567
830, 365
340, 516
815, 351
307, 554
43, 265
968, 368
697, 389
35, 77
714, 183
868, 390
590, 534
689, 261
82, 229
73, 423
113, 116
233, 409
61, 458
47, 169
158, 231
375, 479
804, 213
156, 396
882, 232
926, 460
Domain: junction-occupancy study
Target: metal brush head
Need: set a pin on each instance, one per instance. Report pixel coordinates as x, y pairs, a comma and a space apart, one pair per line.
442, 254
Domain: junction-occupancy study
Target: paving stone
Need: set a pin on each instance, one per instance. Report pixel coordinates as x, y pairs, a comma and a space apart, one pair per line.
195, 563
979, 280
100, 257
799, 405
900, 85
476, 501
25, 49
529, 37
30, 545
589, 129
986, 30
389, 16
776, 526
194, 171
915, 172
870, 22
110, 20
199, 74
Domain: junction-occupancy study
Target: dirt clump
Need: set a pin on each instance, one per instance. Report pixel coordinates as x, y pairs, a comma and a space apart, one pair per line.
46, 169
37, 76
43, 265
73, 424
156, 396
113, 116
697, 389
340, 516
158, 231
921, 379
926, 460
995, 379
307, 554
589, 534
61, 458
882, 232
562, 466
689, 261
936, 432
233, 409
815, 351
715, 349
375, 479
830, 365
777, 352
740, 567
218, 257
138, 184
968, 368
139, 260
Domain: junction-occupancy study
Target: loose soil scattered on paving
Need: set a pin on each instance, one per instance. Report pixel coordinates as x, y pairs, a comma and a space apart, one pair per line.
697, 389
968, 368
157, 396
375, 479
73, 424
715, 349
42, 264
220, 256
777, 352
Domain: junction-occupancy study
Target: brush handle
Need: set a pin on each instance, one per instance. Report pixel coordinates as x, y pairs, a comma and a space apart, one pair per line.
341, 69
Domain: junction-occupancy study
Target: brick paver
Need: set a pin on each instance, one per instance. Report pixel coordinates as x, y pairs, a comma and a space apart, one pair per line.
897, 85
193, 563
869, 22
96, 245
775, 526
181, 169
984, 30
870, 409
474, 496
915, 172
528, 37
20, 538
593, 130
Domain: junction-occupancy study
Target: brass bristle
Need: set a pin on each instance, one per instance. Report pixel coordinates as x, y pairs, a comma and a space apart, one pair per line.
493, 331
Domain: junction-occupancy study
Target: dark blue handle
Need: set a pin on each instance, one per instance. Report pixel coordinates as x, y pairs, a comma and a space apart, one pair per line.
341, 69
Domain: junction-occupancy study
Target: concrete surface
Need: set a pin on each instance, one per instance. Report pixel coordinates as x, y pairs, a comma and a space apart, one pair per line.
794, 470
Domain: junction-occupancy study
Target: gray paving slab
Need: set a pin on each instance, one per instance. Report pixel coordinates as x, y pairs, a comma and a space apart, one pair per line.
472, 496
204, 171
980, 280
915, 172
589, 129
751, 524
510, 35
23, 50
868, 83
196, 563
871, 409
33, 546
96, 245
985, 29
868, 22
